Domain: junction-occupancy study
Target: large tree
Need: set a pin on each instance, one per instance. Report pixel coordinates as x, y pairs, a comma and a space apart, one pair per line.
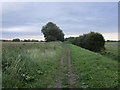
52, 32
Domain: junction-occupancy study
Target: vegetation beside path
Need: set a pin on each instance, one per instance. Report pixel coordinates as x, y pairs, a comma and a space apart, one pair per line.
93, 70
31, 65
56, 65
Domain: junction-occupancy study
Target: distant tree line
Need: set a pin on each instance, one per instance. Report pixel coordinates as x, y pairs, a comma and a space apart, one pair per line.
92, 41
113, 41
16, 40
25, 40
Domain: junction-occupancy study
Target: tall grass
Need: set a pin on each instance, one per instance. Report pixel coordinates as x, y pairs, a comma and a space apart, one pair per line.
36, 65
31, 65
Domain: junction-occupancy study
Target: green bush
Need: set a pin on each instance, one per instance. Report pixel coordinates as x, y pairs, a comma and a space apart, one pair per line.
16, 40
91, 41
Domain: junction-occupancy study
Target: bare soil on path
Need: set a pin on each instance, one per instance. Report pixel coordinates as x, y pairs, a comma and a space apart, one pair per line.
60, 74
65, 62
70, 71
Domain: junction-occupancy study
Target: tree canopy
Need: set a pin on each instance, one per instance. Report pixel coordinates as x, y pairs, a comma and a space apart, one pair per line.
52, 32
16, 40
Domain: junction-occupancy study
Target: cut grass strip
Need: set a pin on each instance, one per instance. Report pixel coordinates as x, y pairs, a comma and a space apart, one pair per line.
93, 70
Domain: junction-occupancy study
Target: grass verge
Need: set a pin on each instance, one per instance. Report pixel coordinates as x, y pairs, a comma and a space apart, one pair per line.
93, 70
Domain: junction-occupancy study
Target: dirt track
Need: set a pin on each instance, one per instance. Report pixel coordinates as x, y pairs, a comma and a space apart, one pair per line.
65, 62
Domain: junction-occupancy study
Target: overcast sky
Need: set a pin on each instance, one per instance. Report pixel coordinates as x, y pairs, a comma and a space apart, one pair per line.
25, 19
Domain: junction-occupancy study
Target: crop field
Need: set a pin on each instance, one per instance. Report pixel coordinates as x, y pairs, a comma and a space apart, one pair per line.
58, 65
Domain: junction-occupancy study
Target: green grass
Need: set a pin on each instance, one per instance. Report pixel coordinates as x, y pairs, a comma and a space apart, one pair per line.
111, 50
31, 65
36, 65
93, 70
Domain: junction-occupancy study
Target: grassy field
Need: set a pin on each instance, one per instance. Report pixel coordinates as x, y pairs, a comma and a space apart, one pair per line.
93, 70
31, 65
111, 50
57, 65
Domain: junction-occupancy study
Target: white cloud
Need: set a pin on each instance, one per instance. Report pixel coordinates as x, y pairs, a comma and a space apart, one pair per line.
71, 36
110, 36
72, 18
12, 7
107, 36
36, 37
22, 29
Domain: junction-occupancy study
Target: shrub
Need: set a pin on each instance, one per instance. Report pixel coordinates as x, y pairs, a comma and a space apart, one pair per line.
91, 41
94, 42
